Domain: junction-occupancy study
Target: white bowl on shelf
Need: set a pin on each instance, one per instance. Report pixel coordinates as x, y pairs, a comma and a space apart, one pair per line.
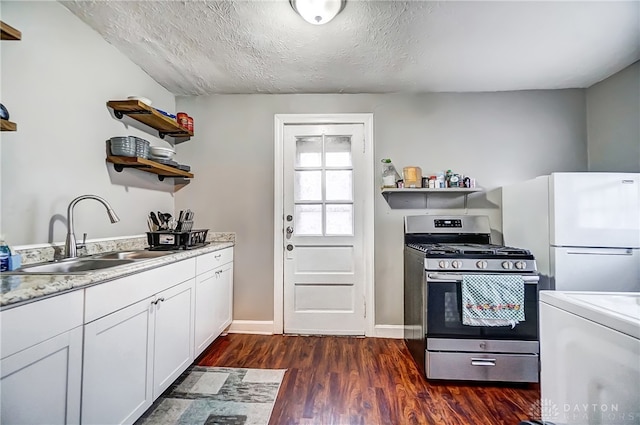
160, 152
144, 100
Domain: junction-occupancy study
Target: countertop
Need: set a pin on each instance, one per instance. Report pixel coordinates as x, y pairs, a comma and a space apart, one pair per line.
616, 310
19, 289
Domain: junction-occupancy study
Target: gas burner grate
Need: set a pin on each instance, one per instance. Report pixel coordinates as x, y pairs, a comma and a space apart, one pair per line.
469, 250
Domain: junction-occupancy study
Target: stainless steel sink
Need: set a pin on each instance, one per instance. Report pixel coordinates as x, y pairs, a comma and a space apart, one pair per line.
141, 254
74, 266
82, 265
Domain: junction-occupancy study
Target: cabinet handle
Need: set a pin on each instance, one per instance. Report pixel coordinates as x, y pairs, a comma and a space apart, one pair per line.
482, 362
159, 300
217, 256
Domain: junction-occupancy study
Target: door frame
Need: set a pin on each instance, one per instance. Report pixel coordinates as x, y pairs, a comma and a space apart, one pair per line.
280, 120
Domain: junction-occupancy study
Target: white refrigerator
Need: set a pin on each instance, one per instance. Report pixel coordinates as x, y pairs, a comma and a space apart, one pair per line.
582, 228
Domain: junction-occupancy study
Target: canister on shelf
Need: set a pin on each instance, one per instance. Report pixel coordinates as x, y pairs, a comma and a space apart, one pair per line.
389, 174
412, 177
190, 123
183, 119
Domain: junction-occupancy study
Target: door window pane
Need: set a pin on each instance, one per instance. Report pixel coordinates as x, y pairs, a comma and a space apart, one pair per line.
339, 219
308, 186
309, 151
338, 151
339, 185
308, 220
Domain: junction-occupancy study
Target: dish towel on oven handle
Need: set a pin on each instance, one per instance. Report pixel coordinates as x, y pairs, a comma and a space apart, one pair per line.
492, 300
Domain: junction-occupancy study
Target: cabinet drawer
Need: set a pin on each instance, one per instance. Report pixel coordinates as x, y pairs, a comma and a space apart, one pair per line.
108, 297
482, 366
213, 259
30, 324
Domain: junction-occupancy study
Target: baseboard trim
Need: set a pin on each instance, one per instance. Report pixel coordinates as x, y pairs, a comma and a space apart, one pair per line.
389, 331
265, 327
260, 327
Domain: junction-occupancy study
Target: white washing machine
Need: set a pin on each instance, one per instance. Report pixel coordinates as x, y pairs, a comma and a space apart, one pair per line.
590, 357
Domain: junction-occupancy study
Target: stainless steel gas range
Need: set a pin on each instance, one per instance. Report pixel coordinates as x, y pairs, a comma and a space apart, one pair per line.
439, 252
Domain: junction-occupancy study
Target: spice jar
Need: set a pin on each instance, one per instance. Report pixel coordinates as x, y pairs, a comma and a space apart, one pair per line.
182, 119
190, 123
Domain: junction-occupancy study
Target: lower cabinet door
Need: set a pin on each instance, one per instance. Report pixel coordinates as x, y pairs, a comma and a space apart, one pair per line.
173, 346
41, 384
205, 313
223, 300
117, 363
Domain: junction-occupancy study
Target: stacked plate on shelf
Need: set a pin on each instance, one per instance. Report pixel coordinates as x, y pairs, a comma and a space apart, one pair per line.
129, 146
166, 161
142, 147
158, 152
122, 146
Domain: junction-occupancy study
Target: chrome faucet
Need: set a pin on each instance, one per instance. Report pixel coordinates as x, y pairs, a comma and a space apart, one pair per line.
70, 245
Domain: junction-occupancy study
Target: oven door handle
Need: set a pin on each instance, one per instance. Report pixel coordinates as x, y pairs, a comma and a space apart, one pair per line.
458, 277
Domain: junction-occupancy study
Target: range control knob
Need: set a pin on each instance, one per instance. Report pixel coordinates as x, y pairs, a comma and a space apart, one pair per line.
481, 264
456, 264
521, 265
507, 265
443, 264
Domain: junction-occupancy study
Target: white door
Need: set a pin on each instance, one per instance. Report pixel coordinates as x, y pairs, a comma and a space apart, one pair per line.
324, 186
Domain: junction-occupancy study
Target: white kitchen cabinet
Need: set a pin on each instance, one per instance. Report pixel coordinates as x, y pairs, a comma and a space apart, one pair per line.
223, 301
173, 345
214, 297
42, 361
117, 364
134, 353
139, 335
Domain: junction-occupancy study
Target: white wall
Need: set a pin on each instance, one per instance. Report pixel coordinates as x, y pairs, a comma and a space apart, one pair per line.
613, 122
55, 83
498, 138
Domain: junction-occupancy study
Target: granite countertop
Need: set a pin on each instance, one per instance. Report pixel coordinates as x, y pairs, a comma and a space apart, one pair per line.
19, 289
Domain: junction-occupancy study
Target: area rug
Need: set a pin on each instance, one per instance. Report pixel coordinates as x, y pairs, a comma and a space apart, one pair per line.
217, 396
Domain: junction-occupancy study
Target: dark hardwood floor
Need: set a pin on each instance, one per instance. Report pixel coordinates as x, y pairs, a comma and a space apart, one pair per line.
366, 381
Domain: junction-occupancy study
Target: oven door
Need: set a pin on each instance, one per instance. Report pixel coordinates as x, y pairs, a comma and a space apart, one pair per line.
444, 311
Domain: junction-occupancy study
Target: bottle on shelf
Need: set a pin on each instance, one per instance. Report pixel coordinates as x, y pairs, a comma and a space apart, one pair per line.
389, 173
5, 254
447, 178
440, 181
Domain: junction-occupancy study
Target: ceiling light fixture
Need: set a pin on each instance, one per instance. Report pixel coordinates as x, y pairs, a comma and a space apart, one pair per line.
318, 12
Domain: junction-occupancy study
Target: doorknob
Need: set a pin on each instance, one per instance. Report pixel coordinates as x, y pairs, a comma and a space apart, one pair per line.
289, 232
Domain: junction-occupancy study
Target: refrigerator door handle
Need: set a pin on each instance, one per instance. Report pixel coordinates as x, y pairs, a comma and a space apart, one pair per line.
596, 251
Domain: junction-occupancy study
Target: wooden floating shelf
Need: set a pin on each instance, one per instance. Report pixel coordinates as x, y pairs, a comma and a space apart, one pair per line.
7, 125
147, 165
145, 114
7, 32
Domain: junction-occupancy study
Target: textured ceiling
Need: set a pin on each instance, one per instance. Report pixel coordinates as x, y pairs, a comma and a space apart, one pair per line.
203, 47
